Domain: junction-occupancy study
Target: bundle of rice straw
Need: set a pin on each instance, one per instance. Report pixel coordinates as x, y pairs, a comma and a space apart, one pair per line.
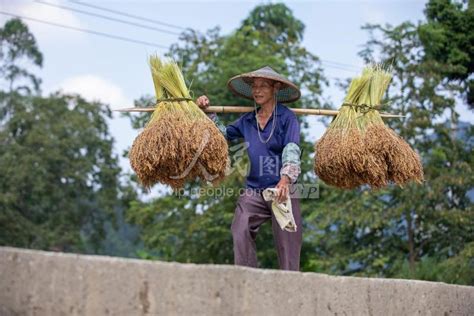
358, 148
180, 142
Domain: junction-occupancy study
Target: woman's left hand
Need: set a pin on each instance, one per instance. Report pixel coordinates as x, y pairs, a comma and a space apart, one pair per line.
283, 189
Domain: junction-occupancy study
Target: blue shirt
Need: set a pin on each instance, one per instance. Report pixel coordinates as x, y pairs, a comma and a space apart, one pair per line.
265, 159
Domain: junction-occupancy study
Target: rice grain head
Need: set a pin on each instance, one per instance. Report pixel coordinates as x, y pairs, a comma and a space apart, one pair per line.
179, 143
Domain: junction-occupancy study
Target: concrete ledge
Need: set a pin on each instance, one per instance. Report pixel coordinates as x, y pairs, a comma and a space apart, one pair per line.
50, 283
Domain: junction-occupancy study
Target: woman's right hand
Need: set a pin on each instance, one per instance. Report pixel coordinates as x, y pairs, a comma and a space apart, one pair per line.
203, 102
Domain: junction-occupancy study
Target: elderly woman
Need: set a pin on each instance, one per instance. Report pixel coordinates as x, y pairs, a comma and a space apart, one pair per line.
272, 133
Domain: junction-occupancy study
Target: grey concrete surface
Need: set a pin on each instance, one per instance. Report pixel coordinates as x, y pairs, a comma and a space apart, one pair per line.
51, 283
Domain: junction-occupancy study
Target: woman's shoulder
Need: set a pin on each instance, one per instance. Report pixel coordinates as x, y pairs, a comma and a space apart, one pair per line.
286, 111
247, 116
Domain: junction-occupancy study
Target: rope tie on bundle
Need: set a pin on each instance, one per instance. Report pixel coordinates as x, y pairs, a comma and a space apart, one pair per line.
363, 108
158, 101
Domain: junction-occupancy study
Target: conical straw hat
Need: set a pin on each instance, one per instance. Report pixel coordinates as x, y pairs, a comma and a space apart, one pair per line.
241, 84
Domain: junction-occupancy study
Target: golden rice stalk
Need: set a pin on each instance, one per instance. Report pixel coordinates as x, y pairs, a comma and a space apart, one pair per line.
207, 140
155, 66
180, 142
402, 163
376, 170
158, 152
358, 148
340, 156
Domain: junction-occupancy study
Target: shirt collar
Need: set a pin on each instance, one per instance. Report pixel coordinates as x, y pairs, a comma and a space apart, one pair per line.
280, 110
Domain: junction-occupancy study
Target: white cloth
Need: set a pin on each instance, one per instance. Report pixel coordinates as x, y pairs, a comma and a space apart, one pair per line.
283, 211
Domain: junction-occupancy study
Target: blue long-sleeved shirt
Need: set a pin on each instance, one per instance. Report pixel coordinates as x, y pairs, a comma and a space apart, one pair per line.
266, 158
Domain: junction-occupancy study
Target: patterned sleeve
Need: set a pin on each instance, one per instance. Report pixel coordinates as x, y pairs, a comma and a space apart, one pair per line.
291, 164
213, 116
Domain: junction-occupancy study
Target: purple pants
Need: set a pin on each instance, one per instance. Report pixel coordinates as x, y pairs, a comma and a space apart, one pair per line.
251, 212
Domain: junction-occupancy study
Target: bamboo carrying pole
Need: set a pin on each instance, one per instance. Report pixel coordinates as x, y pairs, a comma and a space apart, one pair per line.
245, 109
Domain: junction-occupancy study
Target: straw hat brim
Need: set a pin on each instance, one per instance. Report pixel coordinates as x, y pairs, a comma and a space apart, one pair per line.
241, 85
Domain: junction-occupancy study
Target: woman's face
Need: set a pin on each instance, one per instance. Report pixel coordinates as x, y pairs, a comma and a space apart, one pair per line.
262, 91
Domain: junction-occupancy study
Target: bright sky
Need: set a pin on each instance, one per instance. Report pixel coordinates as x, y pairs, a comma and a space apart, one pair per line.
116, 72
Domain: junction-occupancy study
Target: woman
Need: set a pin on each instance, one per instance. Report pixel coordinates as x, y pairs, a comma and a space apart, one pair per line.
272, 133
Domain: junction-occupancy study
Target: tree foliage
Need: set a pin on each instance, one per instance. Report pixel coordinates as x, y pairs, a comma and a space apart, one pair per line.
448, 39
18, 46
59, 183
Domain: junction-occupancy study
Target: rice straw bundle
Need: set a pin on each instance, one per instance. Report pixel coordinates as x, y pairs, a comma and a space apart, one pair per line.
180, 142
403, 164
340, 153
358, 148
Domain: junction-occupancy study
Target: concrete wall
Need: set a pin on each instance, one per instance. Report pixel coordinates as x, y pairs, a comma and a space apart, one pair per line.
51, 283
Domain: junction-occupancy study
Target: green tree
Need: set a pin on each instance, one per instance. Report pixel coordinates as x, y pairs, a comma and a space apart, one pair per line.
18, 47
59, 173
59, 182
447, 38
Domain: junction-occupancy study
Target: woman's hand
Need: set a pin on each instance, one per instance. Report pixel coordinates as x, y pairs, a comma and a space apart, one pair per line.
203, 102
283, 189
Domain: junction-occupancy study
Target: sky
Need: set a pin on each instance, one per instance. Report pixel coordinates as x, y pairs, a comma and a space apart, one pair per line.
116, 71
